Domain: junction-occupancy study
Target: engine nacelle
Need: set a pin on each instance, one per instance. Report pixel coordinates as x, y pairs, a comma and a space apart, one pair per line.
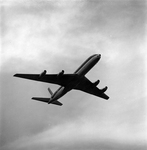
43, 73
104, 89
96, 82
61, 73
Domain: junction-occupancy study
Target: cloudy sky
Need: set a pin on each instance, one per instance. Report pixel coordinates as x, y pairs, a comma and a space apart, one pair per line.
61, 34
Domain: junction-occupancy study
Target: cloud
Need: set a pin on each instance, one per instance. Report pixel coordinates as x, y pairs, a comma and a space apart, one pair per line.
29, 36
61, 35
79, 134
60, 28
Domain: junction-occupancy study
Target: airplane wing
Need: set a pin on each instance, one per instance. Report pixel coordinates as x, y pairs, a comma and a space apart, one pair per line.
85, 85
62, 80
88, 87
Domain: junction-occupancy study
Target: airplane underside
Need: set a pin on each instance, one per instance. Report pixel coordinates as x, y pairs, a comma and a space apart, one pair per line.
67, 82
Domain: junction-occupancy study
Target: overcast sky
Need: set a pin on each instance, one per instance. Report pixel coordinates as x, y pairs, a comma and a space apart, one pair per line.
60, 35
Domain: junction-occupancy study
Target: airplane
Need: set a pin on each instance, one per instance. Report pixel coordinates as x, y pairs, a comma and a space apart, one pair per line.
67, 82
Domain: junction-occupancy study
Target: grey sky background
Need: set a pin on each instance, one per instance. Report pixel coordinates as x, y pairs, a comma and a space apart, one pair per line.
56, 35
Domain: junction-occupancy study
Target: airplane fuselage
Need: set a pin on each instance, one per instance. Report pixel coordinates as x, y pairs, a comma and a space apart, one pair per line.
81, 71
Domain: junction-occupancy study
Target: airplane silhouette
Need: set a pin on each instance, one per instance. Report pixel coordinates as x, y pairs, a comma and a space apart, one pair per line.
67, 82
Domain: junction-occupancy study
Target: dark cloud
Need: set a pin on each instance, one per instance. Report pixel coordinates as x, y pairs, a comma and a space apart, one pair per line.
117, 18
81, 145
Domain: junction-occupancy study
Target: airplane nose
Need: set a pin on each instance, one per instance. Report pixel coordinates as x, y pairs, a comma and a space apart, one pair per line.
99, 56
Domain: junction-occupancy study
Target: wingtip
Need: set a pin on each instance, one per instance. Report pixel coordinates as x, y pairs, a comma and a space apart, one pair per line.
107, 98
34, 98
15, 75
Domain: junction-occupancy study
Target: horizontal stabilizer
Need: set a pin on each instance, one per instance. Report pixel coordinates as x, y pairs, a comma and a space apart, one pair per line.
57, 103
47, 100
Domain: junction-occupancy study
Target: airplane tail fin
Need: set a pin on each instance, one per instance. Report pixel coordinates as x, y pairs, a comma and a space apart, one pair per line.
47, 100
50, 91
